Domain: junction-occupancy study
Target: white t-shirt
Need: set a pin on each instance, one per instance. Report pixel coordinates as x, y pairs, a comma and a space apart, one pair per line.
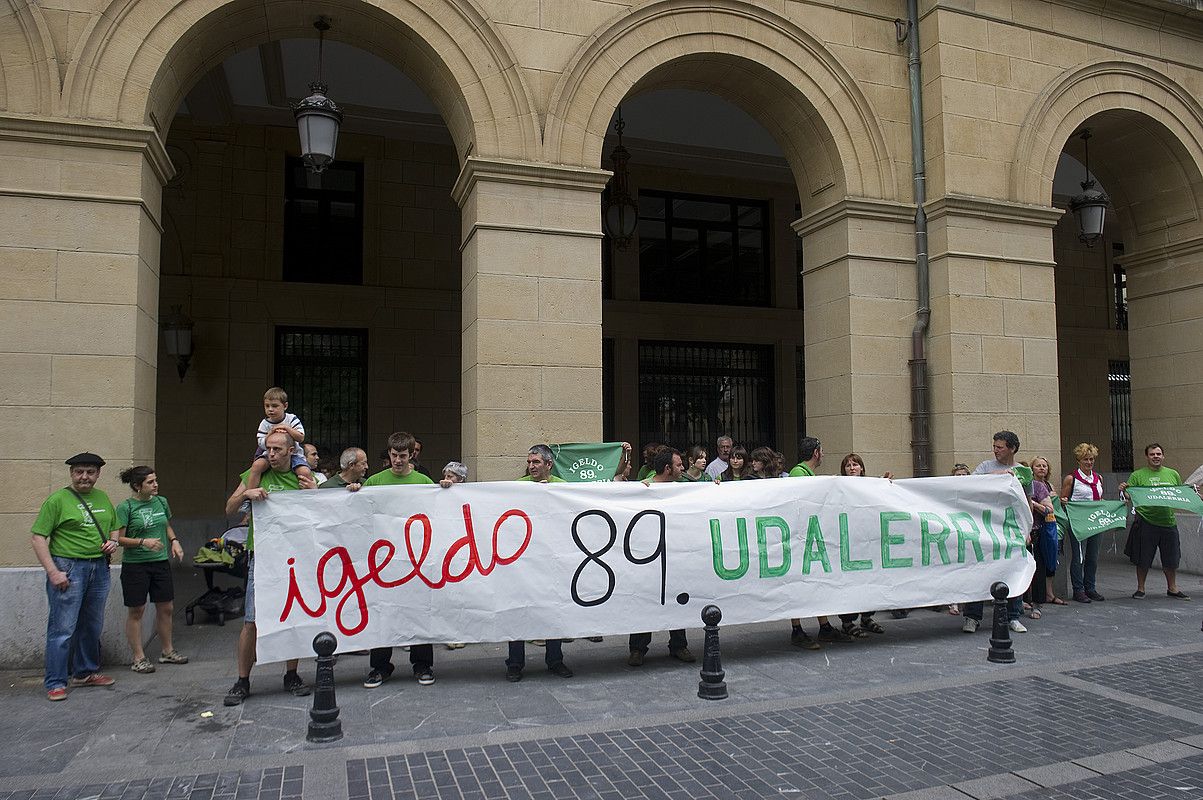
716, 468
289, 421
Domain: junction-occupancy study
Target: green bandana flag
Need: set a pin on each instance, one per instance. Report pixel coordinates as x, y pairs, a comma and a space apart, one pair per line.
1024, 474
582, 462
1182, 498
1088, 518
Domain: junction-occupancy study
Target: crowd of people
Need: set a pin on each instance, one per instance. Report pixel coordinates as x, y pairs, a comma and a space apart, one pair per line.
78, 529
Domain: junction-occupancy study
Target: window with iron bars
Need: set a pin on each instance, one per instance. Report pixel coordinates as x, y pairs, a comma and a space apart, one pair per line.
693, 392
325, 372
1119, 385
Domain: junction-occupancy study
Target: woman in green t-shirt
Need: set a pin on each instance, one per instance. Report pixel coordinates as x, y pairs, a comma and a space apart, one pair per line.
144, 531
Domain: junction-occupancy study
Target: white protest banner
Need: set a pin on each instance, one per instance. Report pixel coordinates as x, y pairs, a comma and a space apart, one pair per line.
517, 560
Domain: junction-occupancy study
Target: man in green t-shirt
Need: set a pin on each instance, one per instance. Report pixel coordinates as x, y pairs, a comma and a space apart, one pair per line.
71, 542
278, 477
352, 466
400, 472
1154, 529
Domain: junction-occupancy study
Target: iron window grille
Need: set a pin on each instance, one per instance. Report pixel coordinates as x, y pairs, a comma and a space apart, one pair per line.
1119, 386
325, 372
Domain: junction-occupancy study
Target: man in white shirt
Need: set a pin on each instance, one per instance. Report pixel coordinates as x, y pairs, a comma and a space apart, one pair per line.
719, 465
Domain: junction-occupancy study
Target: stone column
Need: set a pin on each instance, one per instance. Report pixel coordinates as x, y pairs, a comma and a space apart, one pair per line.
532, 309
1165, 345
860, 302
993, 353
78, 307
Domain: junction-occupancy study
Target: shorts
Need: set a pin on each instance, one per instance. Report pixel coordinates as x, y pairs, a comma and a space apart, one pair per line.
297, 459
1145, 539
248, 615
147, 578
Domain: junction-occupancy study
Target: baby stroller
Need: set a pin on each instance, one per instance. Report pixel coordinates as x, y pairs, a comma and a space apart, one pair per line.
226, 554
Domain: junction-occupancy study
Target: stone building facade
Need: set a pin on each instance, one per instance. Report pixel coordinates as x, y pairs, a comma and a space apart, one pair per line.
495, 312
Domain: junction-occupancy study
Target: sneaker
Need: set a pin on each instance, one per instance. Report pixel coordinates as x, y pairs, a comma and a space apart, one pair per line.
683, 655
425, 677
95, 679
296, 684
800, 638
173, 657
1138, 595
969, 625
1016, 626
57, 693
561, 669
513, 674
1081, 597
240, 691
635, 659
1095, 596
1178, 595
376, 678
830, 634
143, 666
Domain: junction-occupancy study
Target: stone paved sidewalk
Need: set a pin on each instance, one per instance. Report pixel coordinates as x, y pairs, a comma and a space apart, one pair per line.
1109, 689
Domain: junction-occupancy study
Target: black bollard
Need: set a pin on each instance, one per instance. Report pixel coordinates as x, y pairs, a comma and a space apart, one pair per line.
324, 725
1000, 638
712, 687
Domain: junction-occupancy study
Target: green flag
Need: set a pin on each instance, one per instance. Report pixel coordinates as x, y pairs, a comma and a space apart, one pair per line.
1088, 518
1181, 498
1024, 474
581, 462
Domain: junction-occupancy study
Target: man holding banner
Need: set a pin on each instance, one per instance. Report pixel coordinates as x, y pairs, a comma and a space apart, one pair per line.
1006, 445
1155, 491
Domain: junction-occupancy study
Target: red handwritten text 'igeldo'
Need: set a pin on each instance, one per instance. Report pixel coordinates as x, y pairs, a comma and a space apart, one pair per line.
336, 577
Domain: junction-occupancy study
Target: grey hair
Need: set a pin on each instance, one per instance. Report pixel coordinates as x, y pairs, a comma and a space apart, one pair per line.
457, 469
543, 452
349, 457
724, 438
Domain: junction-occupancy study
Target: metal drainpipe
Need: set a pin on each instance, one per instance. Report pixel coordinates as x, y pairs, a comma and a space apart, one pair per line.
921, 455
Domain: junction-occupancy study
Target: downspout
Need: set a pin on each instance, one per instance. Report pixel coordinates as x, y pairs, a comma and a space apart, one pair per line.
921, 455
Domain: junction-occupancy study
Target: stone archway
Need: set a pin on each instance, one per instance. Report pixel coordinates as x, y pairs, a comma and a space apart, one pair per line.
28, 83
138, 59
1147, 149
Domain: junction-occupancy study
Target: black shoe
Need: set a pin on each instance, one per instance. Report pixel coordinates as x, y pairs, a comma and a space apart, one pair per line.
561, 669
635, 659
1081, 597
425, 676
376, 678
296, 684
1095, 596
683, 655
800, 638
830, 634
900, 613
513, 674
240, 691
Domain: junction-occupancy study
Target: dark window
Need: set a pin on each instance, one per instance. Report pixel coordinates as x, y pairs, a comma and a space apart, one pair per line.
800, 377
608, 390
798, 256
1120, 282
691, 393
1119, 384
607, 253
323, 223
695, 249
325, 372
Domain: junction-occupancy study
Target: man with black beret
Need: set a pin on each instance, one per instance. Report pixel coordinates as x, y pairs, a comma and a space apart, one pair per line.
71, 542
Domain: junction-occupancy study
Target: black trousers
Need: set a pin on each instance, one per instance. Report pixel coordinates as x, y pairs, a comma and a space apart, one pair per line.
421, 656
676, 641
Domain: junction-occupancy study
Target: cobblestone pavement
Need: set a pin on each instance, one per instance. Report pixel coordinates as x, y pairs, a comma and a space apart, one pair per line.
1104, 702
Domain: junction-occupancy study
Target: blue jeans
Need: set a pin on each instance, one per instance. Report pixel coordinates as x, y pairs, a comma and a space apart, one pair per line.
1084, 563
75, 620
1014, 609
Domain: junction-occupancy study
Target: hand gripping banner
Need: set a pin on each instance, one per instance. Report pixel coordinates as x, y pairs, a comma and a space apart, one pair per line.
501, 561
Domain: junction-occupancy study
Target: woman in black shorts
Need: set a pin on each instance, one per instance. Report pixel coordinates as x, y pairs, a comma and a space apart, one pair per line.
145, 534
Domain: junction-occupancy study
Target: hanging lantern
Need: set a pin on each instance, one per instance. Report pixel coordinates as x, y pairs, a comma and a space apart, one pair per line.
621, 214
318, 118
1090, 207
177, 339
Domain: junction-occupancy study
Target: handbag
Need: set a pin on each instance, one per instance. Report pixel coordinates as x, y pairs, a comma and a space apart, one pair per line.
108, 557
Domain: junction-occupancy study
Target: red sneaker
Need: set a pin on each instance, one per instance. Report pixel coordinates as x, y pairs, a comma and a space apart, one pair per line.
59, 693
95, 679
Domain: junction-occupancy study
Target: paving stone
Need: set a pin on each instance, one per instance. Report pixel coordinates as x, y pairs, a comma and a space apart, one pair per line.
1109, 763
1057, 774
1173, 780
1165, 751
1177, 680
993, 786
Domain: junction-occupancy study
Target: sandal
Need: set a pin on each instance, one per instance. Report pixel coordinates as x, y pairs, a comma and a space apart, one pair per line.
1034, 613
853, 631
954, 610
143, 666
173, 657
871, 626
1057, 601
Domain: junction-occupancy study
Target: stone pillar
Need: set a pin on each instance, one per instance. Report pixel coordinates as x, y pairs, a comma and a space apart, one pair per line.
860, 302
78, 307
993, 352
1165, 345
532, 309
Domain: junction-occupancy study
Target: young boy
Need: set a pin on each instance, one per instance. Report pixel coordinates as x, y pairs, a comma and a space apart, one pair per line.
276, 417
